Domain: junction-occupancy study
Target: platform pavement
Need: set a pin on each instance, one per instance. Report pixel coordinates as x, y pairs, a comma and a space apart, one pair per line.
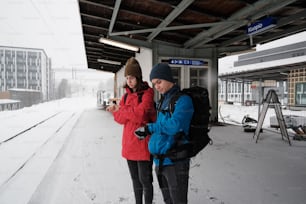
243, 171
234, 170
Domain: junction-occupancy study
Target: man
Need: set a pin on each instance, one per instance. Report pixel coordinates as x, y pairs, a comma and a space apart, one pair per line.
169, 129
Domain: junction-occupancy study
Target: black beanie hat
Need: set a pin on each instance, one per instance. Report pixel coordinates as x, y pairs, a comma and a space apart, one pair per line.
161, 71
132, 67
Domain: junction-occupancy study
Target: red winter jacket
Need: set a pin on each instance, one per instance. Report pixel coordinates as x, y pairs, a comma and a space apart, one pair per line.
134, 113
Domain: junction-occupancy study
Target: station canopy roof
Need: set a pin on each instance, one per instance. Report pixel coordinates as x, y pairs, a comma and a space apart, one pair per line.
190, 24
279, 73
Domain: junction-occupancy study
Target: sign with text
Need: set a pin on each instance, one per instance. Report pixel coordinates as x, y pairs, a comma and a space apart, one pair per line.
261, 26
188, 62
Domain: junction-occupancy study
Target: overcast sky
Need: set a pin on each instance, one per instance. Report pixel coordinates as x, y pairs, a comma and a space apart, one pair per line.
52, 25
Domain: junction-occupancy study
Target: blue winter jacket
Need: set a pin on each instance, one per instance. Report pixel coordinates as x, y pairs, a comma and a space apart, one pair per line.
167, 126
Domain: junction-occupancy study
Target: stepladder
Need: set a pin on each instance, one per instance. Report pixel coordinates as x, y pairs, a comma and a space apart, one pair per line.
271, 101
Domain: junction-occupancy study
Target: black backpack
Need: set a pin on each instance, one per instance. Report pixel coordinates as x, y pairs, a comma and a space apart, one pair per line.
199, 126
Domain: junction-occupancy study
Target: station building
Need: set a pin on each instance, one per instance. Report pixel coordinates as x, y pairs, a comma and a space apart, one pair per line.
281, 68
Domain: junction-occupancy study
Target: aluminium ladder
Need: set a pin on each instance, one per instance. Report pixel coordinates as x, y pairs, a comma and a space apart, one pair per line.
271, 100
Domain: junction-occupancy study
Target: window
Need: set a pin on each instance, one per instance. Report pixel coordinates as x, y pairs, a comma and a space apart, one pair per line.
198, 77
300, 94
176, 74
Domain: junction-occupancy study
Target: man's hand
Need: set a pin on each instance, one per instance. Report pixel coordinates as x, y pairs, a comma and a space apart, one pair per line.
142, 132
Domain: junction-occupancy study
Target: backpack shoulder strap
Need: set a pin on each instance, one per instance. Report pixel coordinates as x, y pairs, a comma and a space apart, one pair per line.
139, 94
124, 97
173, 101
160, 103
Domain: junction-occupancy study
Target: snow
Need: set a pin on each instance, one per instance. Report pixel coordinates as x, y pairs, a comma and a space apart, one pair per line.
74, 156
233, 114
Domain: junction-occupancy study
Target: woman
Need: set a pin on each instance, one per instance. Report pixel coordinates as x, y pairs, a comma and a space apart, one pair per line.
136, 108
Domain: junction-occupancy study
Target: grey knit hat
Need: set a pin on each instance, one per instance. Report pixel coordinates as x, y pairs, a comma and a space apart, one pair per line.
161, 71
132, 67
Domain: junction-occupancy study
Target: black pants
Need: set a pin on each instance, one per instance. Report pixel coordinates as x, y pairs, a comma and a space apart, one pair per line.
173, 182
141, 174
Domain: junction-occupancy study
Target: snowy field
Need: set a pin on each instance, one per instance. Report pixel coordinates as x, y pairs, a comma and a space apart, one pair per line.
74, 156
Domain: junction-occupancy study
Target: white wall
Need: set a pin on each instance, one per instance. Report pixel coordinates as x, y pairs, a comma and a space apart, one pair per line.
145, 60
120, 81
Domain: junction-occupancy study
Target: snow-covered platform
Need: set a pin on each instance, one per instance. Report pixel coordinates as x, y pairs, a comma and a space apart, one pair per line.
234, 170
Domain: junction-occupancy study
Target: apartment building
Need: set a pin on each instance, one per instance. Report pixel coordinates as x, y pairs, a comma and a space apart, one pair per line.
25, 69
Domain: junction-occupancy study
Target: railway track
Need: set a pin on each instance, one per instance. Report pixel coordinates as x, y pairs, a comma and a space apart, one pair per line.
27, 129
19, 149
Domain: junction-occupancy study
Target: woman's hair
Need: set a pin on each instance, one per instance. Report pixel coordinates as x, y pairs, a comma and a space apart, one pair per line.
140, 86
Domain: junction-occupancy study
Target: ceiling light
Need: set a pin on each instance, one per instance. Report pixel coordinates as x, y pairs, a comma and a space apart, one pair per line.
109, 61
283, 73
118, 44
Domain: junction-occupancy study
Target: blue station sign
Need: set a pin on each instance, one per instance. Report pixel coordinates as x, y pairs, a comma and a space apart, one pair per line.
261, 26
188, 62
